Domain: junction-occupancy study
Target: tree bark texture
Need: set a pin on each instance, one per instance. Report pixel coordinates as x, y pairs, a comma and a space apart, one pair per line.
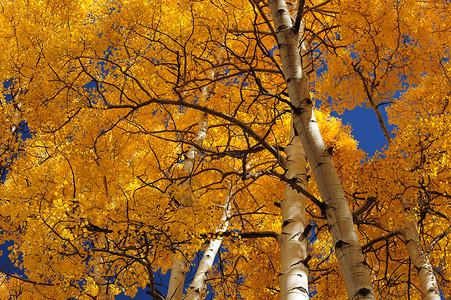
293, 277
102, 284
206, 263
178, 270
347, 249
419, 258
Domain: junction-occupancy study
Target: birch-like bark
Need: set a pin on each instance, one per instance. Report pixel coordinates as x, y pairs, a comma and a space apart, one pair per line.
188, 164
179, 263
17, 115
206, 263
102, 285
178, 270
177, 279
347, 249
293, 276
419, 258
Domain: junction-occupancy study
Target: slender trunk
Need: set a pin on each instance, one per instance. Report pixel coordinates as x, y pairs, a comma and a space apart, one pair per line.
293, 277
178, 270
102, 284
188, 164
17, 115
347, 249
206, 263
419, 258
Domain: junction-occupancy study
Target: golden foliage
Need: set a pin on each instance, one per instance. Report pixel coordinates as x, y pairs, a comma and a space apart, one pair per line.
110, 93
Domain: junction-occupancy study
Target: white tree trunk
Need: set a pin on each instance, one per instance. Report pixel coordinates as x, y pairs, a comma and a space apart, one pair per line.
206, 263
178, 270
188, 164
102, 285
419, 258
347, 249
293, 277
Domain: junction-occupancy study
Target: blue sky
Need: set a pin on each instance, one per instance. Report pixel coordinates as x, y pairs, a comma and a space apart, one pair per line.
365, 128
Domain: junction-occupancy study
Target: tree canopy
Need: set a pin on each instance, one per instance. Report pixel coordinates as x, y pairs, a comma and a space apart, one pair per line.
135, 134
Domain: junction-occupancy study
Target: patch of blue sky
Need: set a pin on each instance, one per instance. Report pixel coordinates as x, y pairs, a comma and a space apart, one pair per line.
7, 83
312, 291
312, 236
272, 50
363, 122
93, 89
5, 262
22, 133
353, 54
408, 40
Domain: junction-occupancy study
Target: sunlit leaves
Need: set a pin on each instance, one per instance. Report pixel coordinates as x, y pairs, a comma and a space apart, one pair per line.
111, 92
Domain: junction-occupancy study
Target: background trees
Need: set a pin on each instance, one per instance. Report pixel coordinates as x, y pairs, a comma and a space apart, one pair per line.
111, 93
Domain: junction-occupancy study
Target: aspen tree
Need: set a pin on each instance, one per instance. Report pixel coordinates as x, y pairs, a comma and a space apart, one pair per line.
203, 269
102, 285
347, 248
419, 258
114, 88
292, 240
178, 270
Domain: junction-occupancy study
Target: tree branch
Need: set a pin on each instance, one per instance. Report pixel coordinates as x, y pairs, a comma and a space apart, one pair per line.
382, 238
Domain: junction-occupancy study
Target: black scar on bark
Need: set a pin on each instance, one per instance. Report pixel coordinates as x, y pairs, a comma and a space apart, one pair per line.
297, 110
286, 222
306, 260
307, 230
302, 289
322, 206
363, 292
340, 244
330, 150
307, 100
303, 261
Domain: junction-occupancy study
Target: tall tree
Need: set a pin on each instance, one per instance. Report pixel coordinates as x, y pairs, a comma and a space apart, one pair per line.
352, 263
109, 94
206, 263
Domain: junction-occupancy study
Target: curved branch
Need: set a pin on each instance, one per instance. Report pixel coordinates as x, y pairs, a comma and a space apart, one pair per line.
373, 103
212, 112
25, 280
382, 238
